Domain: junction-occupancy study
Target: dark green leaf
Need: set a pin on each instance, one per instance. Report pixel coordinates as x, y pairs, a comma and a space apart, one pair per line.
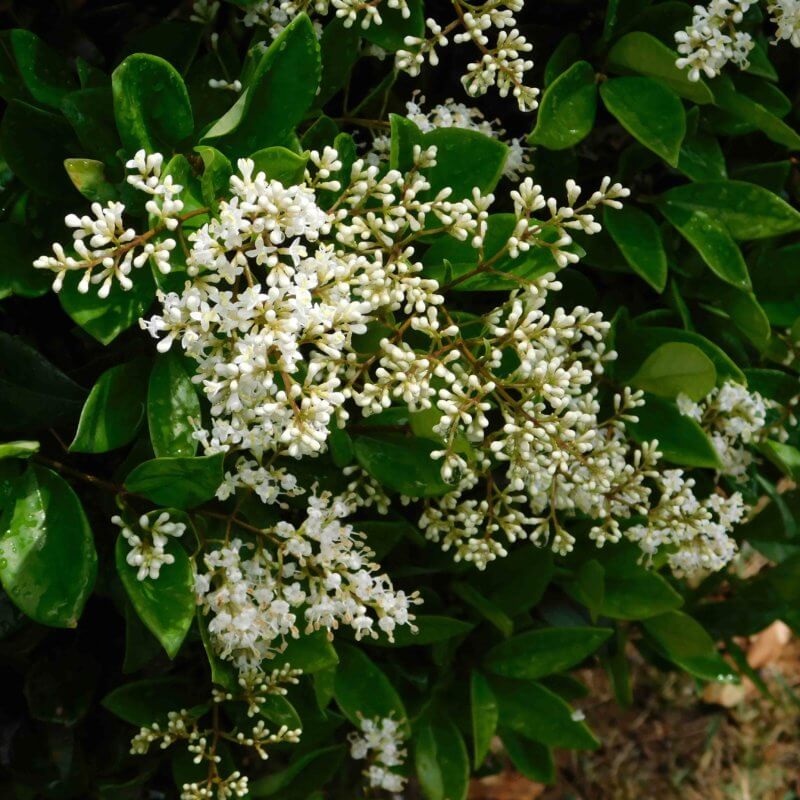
531, 759
177, 481
48, 563
785, 456
639, 240
91, 114
172, 407
432, 628
650, 112
312, 652
151, 104
686, 643
391, 33
46, 75
145, 702
113, 410
440, 757
280, 91
567, 109
536, 653
18, 250
165, 604
339, 51
484, 716
402, 465
302, 776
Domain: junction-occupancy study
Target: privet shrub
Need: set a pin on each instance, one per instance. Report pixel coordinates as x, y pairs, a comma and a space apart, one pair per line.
342, 420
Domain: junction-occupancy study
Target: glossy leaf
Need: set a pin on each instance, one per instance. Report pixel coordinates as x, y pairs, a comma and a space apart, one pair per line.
650, 112
677, 368
541, 652
46, 75
48, 562
531, 759
685, 642
172, 407
567, 109
361, 688
166, 604
302, 776
150, 700
402, 465
18, 449
748, 211
178, 481
680, 438
642, 54
639, 240
151, 104
280, 164
712, 241
431, 628
440, 758
280, 91
533, 711
113, 410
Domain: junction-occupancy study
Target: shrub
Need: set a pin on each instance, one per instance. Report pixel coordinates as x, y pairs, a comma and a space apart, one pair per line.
390, 423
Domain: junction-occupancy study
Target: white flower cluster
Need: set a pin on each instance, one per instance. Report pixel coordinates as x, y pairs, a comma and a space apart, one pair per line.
712, 39
202, 743
451, 114
320, 573
504, 65
113, 249
694, 533
734, 418
148, 540
381, 742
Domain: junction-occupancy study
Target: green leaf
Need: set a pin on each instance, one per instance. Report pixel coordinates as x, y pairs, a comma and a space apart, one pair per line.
402, 465
362, 689
748, 211
531, 759
105, 319
223, 673
91, 114
150, 700
680, 438
712, 241
743, 108
567, 52
18, 449
280, 164
33, 393
217, 171
302, 776
177, 481
686, 643
440, 758
311, 652
639, 240
484, 716
172, 407
785, 456
339, 51
151, 104
282, 88
536, 653
747, 314
485, 607
113, 410
89, 178
643, 54
391, 33
34, 145
432, 628
18, 250
165, 604
701, 157
48, 562
650, 112
677, 368
536, 713
633, 592
567, 109
46, 75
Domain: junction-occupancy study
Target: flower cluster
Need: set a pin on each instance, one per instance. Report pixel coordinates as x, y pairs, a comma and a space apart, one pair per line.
734, 418
381, 743
451, 114
202, 742
148, 540
319, 573
712, 39
503, 65
114, 249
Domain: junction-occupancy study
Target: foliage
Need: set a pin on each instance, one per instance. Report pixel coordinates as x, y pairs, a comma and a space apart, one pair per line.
367, 493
